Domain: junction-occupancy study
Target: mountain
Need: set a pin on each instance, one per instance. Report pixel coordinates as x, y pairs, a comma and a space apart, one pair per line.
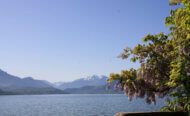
8, 81
93, 90
89, 81
10, 84
5, 93
34, 90
48, 83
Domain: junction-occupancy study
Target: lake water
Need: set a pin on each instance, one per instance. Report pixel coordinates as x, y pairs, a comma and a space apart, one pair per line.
72, 105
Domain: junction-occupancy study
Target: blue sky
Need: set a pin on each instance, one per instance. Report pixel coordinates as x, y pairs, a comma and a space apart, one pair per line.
62, 40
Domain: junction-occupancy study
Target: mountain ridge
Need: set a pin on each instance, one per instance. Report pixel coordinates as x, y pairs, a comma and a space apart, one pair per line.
11, 85
93, 80
94, 90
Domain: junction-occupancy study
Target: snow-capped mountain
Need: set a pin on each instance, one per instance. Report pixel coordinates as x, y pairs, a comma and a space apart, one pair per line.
94, 77
94, 80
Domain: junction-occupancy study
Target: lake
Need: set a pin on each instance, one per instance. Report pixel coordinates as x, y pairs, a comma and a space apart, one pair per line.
72, 105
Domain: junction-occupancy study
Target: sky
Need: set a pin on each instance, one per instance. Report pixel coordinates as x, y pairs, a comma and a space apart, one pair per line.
63, 40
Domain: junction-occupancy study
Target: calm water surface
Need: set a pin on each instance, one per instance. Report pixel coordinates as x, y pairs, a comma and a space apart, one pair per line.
72, 105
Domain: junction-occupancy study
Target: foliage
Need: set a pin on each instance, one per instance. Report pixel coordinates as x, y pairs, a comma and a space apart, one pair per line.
165, 63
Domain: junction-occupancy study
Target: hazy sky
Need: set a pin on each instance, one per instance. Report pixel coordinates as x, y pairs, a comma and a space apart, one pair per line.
62, 40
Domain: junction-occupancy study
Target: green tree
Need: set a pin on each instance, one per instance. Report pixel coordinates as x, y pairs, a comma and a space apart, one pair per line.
165, 63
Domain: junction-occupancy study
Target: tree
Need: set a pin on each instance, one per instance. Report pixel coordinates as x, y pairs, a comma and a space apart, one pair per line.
165, 63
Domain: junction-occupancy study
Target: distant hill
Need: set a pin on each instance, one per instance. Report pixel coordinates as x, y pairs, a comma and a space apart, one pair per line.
93, 90
89, 81
32, 90
5, 93
10, 84
8, 81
